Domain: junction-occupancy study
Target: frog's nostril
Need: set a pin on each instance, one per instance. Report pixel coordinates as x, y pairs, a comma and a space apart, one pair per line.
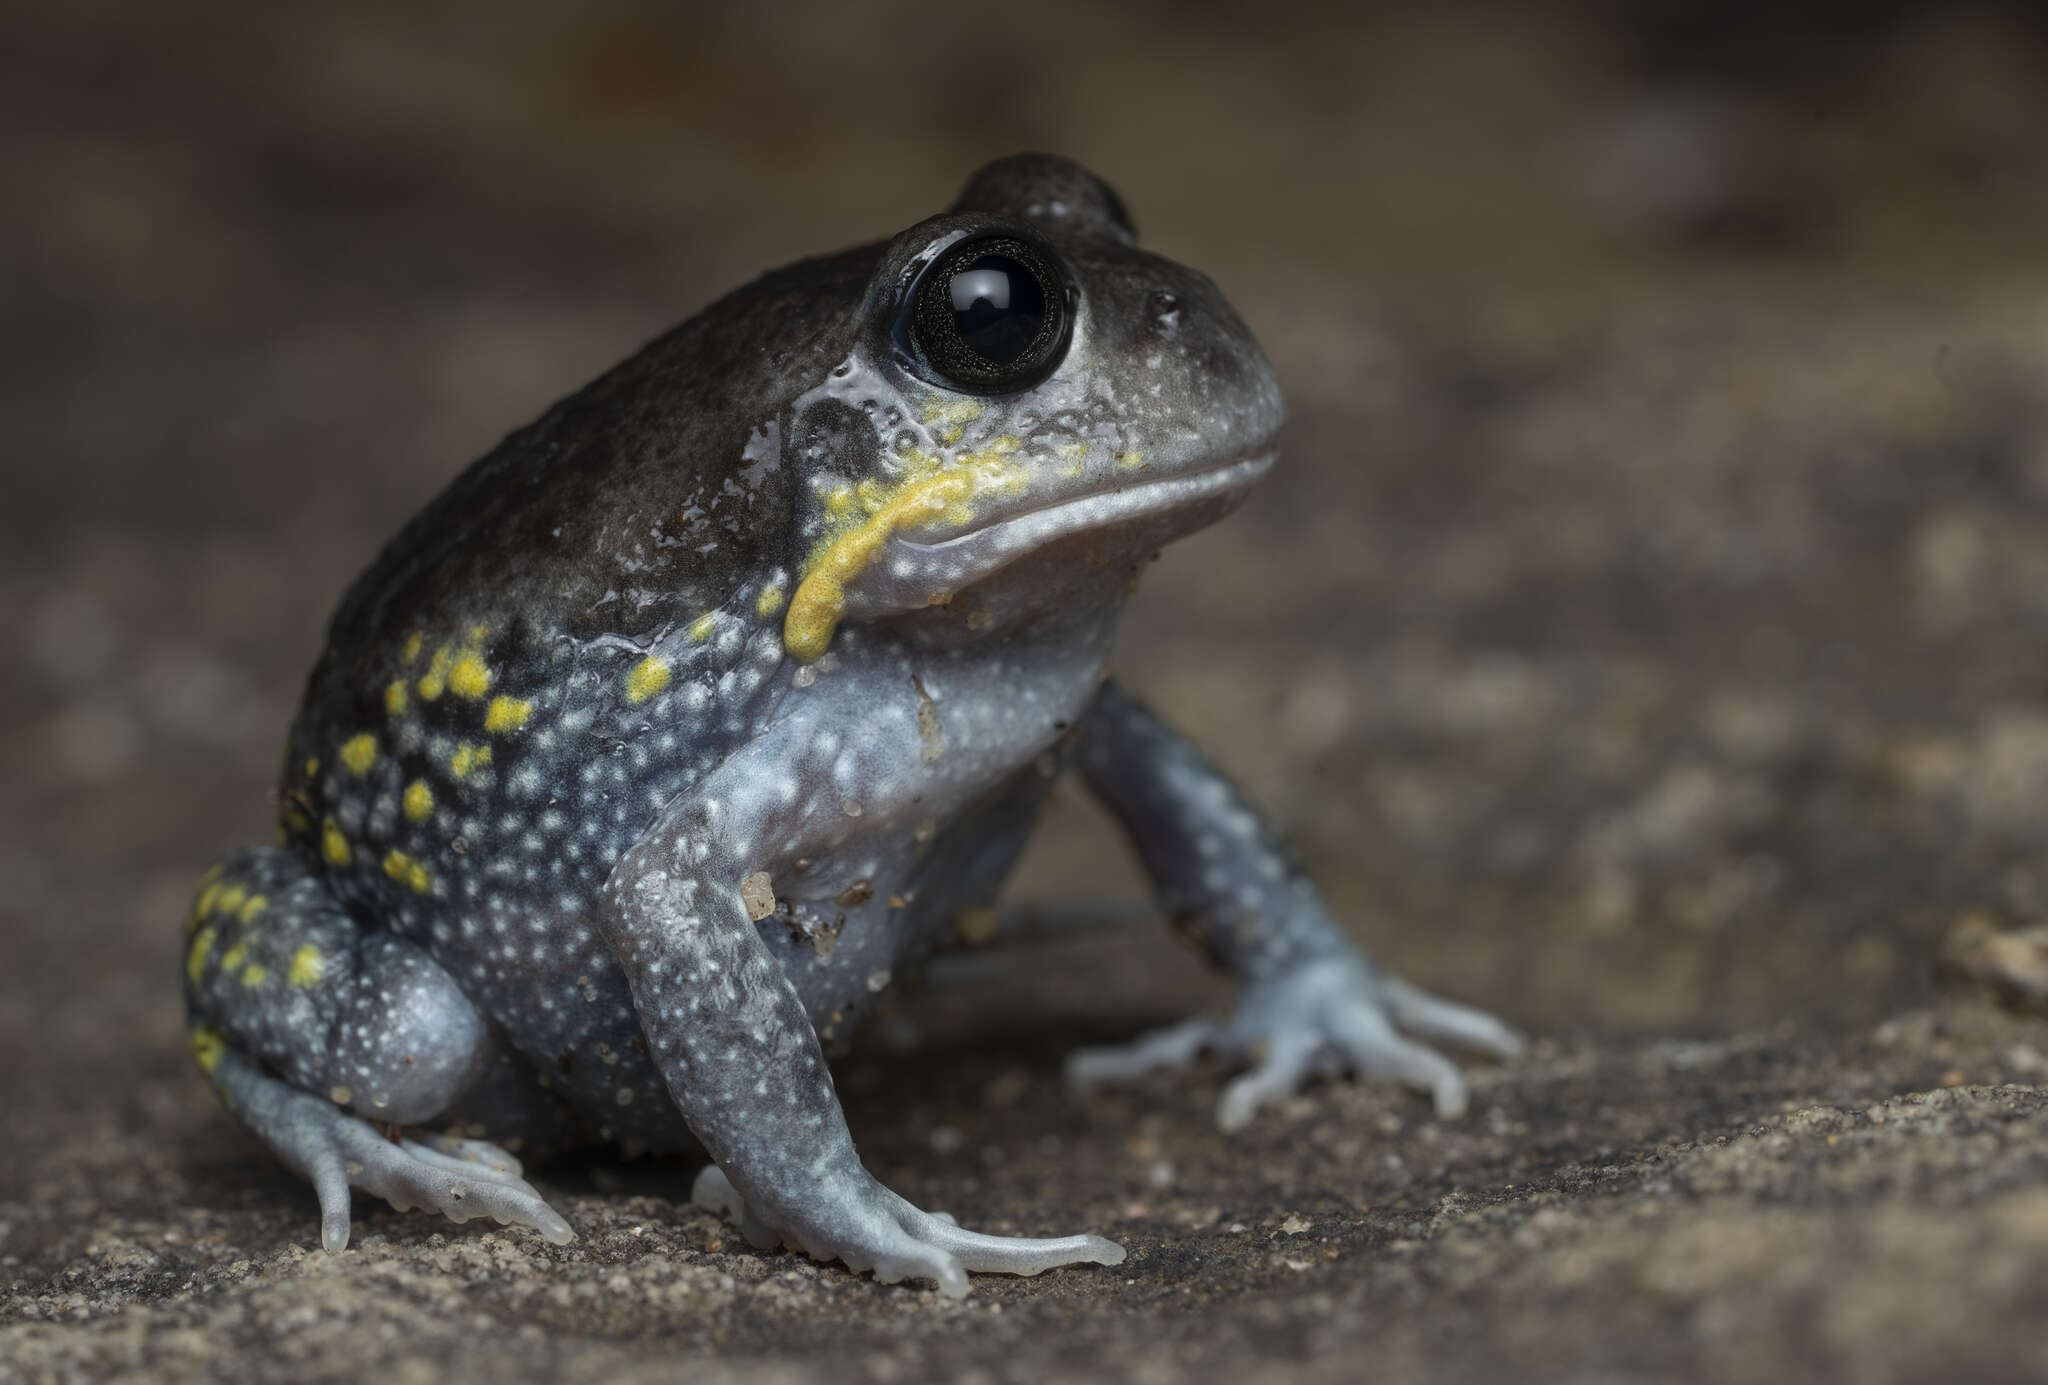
1164, 308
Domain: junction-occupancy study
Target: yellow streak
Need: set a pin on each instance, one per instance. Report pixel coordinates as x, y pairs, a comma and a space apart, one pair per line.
333, 845
820, 598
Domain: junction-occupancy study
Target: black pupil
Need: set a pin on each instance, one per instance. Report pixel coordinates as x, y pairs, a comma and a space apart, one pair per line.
998, 307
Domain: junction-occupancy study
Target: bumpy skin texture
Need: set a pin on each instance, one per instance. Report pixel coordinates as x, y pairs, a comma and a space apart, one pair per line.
648, 754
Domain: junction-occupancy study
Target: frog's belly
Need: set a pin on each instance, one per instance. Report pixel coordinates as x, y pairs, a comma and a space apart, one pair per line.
840, 958
562, 1002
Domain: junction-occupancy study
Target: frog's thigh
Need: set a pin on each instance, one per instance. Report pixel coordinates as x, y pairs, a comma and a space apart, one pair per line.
297, 1013
277, 968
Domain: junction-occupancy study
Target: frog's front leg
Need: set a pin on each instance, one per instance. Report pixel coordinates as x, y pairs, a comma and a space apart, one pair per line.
1311, 1002
738, 1051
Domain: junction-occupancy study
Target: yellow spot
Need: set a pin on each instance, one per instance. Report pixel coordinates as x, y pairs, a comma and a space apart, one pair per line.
470, 677
333, 846
312, 765
208, 897
395, 698
647, 678
938, 496
951, 416
770, 600
256, 905
407, 871
359, 753
419, 801
507, 714
195, 960
1133, 460
703, 627
411, 651
468, 757
207, 1047
213, 873
839, 502
256, 975
434, 681
231, 899
296, 821
307, 967
232, 959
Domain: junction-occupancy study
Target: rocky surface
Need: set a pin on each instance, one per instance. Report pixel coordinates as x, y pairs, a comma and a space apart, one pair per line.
1643, 639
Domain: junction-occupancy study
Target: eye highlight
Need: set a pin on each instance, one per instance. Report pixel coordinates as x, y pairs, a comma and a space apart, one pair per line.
991, 315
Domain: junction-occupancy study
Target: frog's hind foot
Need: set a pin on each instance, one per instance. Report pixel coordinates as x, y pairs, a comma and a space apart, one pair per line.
336, 1151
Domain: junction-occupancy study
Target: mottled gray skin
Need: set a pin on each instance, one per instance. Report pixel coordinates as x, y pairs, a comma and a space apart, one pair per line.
598, 684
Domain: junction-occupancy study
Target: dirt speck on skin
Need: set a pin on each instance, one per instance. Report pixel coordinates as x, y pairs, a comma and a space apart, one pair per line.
1639, 639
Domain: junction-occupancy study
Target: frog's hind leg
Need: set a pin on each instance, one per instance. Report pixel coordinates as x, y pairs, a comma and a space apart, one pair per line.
312, 1028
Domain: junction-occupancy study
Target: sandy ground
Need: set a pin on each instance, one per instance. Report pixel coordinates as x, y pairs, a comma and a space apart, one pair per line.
1643, 639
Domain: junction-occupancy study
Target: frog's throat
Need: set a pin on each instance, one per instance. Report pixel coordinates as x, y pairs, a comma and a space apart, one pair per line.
821, 598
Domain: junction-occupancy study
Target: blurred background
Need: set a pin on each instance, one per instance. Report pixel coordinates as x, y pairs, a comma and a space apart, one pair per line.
1644, 633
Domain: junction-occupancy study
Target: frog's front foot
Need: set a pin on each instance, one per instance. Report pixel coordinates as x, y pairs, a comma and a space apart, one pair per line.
1333, 1015
336, 1151
855, 1219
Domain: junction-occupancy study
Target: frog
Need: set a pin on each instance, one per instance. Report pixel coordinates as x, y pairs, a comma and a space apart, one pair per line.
691, 717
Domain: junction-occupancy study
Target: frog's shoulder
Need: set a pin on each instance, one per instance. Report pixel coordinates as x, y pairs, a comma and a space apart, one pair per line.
634, 504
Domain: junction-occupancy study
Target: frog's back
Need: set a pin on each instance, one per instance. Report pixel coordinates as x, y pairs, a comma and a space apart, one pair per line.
576, 629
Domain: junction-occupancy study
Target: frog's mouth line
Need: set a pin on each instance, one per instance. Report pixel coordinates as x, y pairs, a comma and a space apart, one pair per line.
917, 572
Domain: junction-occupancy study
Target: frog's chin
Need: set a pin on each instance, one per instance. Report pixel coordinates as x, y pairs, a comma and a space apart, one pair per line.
912, 573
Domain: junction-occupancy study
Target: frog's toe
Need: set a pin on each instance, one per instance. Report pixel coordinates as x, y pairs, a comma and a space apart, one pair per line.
1025, 1255
475, 1158
714, 1192
496, 1158
1174, 1047
1432, 1017
1286, 1060
888, 1235
1364, 1033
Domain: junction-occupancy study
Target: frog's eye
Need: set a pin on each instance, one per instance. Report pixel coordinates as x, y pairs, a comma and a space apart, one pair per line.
992, 315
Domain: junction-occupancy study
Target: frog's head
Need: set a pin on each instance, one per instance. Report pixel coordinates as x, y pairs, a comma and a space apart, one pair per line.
1032, 406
